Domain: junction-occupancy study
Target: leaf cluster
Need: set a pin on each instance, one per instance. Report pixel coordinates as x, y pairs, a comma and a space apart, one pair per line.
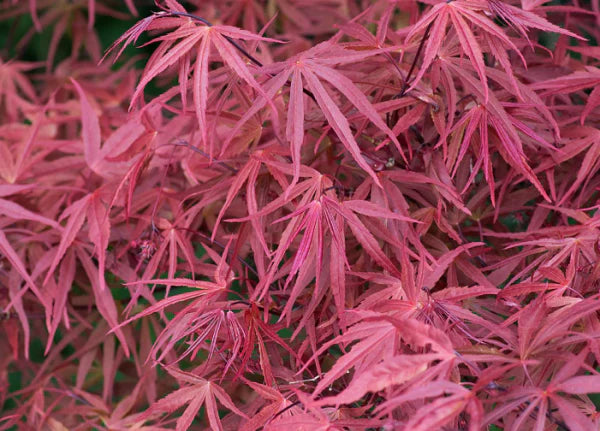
338, 215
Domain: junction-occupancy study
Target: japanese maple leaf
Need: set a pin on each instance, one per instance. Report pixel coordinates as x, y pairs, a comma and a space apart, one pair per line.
537, 333
558, 248
192, 38
464, 15
203, 289
310, 70
409, 295
534, 402
199, 318
258, 334
378, 339
124, 415
196, 393
315, 216
201, 323
88, 208
492, 113
434, 23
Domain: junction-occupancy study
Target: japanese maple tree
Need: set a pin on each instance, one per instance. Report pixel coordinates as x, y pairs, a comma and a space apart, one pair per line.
300, 214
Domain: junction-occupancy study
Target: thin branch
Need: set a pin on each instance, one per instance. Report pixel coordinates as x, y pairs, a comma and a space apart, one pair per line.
414, 63
186, 144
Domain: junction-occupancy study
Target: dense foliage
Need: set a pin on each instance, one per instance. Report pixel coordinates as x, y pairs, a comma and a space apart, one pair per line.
300, 214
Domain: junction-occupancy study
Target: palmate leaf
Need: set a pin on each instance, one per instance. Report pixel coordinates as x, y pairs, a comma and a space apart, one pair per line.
188, 39
320, 217
315, 67
465, 15
90, 208
379, 340
558, 248
491, 113
396, 370
258, 334
459, 13
195, 393
204, 289
533, 402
